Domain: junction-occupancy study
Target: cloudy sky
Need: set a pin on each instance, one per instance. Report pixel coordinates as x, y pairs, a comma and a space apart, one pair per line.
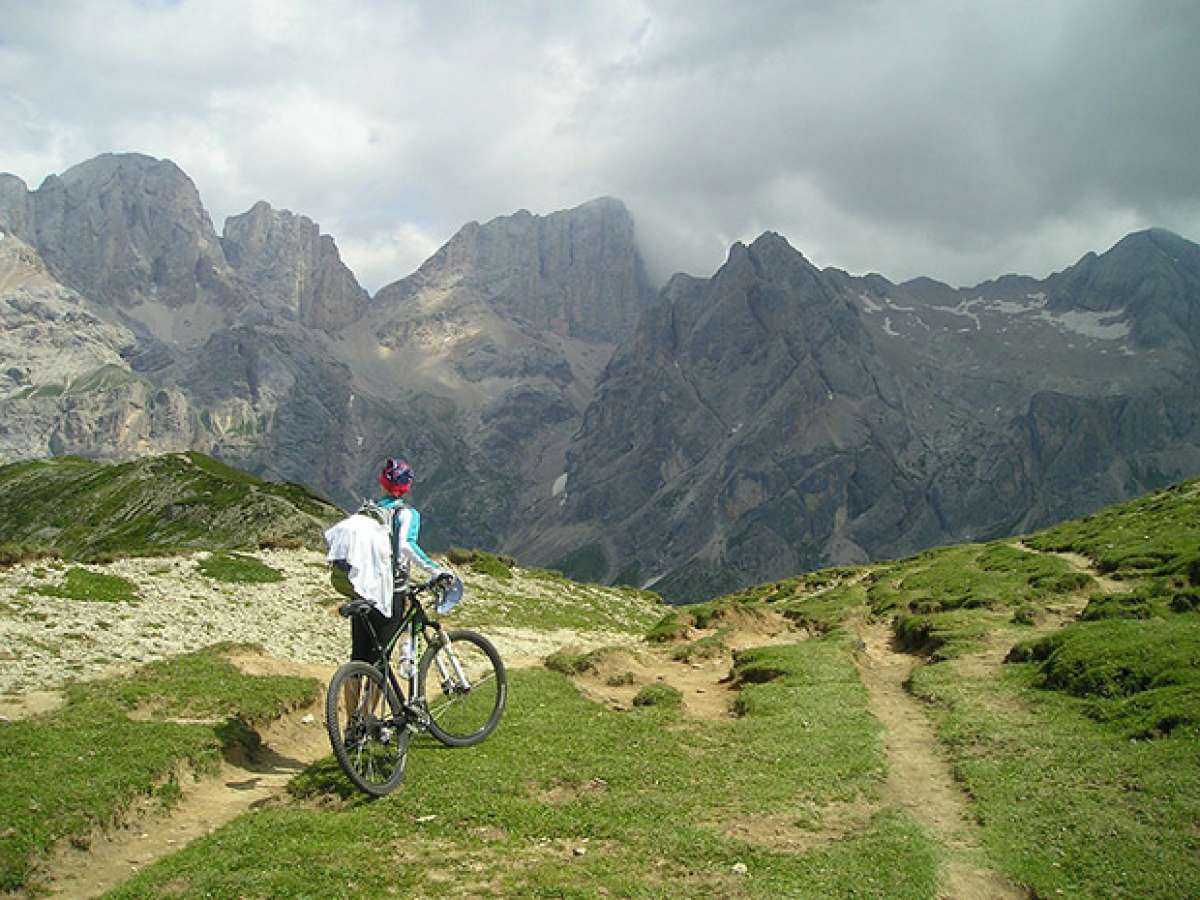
959, 140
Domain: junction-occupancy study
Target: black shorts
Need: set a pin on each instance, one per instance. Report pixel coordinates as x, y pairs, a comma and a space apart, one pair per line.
361, 645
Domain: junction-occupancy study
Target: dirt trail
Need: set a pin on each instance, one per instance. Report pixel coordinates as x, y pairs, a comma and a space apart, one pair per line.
704, 683
1084, 564
919, 778
288, 746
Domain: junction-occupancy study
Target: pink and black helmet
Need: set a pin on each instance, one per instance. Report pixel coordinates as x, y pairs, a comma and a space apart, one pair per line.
396, 477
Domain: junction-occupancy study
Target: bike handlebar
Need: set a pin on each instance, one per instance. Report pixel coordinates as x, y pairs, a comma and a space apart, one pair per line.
437, 581
362, 607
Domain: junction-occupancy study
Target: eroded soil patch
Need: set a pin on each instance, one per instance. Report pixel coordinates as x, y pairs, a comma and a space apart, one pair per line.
288, 746
28, 705
802, 830
703, 679
919, 779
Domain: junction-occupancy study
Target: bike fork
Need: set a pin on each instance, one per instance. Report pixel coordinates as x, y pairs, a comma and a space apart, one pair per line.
460, 677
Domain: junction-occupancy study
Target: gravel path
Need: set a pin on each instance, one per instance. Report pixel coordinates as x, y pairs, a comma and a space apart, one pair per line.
45, 641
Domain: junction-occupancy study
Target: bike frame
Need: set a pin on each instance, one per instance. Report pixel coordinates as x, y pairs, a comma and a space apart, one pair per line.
413, 626
415, 619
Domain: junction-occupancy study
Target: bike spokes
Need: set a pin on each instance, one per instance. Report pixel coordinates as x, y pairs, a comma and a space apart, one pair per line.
366, 728
464, 690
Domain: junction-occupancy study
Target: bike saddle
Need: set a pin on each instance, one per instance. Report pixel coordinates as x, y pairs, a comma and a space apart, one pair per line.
354, 608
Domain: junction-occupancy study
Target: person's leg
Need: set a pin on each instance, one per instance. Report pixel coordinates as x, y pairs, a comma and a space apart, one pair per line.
361, 648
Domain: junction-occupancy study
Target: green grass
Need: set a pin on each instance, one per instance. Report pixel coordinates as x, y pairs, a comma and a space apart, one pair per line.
238, 568
1070, 806
707, 647
568, 662
1156, 534
816, 600
539, 600
564, 773
1143, 676
678, 623
970, 576
941, 635
486, 563
658, 694
93, 587
64, 773
90, 511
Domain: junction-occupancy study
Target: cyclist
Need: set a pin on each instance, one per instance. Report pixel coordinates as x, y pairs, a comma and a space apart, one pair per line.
396, 479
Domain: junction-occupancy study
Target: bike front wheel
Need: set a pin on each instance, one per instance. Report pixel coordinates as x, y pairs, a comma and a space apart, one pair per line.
366, 726
465, 687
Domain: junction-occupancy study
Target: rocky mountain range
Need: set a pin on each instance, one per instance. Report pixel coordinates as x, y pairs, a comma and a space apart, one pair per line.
131, 327
777, 417
722, 431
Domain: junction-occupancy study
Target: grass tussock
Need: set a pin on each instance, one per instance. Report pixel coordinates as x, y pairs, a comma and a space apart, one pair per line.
238, 568
86, 586
658, 694
483, 563
14, 553
179, 502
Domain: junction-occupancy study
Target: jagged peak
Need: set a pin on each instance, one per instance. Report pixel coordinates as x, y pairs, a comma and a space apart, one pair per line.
771, 239
263, 212
108, 164
770, 248
10, 182
1152, 240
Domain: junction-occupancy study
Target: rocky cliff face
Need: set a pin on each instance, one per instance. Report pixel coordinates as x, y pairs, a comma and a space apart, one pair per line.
776, 417
129, 232
575, 273
261, 347
1149, 280
130, 328
292, 268
510, 323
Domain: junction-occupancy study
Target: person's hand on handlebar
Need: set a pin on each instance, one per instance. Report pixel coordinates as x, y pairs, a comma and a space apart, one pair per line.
441, 579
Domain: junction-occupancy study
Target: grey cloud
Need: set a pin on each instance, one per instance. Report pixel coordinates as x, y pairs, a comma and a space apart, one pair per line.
955, 140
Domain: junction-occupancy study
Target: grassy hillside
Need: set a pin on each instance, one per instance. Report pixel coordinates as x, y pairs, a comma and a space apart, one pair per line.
1009, 719
93, 511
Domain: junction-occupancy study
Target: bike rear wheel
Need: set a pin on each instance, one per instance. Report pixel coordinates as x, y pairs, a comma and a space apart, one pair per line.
366, 726
464, 686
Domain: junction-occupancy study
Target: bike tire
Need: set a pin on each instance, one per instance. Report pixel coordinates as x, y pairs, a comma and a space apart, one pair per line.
458, 717
372, 749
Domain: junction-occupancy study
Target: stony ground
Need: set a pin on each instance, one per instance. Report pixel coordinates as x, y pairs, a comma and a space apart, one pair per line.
45, 641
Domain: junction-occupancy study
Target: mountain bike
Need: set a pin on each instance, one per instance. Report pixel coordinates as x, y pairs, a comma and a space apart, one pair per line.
456, 691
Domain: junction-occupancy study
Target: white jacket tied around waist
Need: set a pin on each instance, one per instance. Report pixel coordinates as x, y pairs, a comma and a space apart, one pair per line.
367, 548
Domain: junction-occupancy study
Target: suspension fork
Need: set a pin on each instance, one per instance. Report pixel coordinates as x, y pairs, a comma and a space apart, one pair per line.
460, 677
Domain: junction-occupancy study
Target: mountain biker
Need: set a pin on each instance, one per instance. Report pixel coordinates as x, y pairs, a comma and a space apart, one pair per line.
396, 479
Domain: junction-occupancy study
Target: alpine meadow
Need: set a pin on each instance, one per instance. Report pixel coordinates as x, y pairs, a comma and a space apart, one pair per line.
598, 450
1011, 718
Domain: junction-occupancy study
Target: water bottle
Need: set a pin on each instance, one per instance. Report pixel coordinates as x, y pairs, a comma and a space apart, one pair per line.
407, 656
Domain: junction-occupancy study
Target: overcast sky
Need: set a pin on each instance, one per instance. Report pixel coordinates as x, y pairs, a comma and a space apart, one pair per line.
957, 140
